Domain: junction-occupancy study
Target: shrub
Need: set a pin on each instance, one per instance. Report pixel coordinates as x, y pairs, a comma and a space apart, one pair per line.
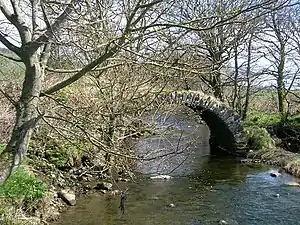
64, 155
23, 185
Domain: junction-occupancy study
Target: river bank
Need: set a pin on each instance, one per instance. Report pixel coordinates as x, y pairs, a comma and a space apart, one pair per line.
267, 145
287, 161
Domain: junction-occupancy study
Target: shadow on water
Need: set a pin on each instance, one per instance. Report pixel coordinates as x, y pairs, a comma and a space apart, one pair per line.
204, 189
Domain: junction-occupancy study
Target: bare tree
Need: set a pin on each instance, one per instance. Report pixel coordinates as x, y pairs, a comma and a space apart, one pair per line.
229, 22
277, 49
37, 24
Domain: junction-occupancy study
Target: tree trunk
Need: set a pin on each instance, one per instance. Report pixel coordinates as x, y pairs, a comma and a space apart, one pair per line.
280, 84
216, 85
26, 118
235, 79
248, 71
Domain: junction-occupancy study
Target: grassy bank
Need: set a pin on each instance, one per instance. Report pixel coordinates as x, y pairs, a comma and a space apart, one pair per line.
271, 141
267, 120
289, 161
21, 197
287, 134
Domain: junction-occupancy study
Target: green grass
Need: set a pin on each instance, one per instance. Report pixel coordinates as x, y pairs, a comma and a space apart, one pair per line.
267, 120
262, 119
23, 185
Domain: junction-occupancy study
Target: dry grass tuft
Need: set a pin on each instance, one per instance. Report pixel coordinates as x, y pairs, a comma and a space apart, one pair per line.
293, 167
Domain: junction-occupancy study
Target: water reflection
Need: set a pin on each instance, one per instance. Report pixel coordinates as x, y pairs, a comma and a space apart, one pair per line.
182, 141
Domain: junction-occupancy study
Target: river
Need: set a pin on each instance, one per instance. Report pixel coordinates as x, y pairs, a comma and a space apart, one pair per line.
204, 189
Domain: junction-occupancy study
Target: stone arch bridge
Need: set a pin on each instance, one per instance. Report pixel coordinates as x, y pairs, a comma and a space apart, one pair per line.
226, 128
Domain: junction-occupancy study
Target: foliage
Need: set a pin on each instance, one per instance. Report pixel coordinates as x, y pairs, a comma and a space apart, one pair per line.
59, 157
258, 138
293, 120
23, 185
63, 154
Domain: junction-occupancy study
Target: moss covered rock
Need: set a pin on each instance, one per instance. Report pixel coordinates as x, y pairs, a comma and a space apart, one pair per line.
259, 138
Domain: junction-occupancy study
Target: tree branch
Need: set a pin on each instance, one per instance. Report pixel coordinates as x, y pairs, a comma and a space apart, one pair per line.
9, 98
50, 32
108, 53
9, 45
45, 54
16, 20
53, 70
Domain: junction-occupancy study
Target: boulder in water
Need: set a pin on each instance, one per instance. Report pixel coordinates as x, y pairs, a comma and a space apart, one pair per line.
275, 174
68, 196
171, 205
104, 186
292, 184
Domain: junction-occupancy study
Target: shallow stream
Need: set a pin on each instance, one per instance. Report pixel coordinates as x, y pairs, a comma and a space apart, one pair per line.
204, 189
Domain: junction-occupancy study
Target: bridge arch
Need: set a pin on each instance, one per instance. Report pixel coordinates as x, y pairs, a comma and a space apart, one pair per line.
226, 128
